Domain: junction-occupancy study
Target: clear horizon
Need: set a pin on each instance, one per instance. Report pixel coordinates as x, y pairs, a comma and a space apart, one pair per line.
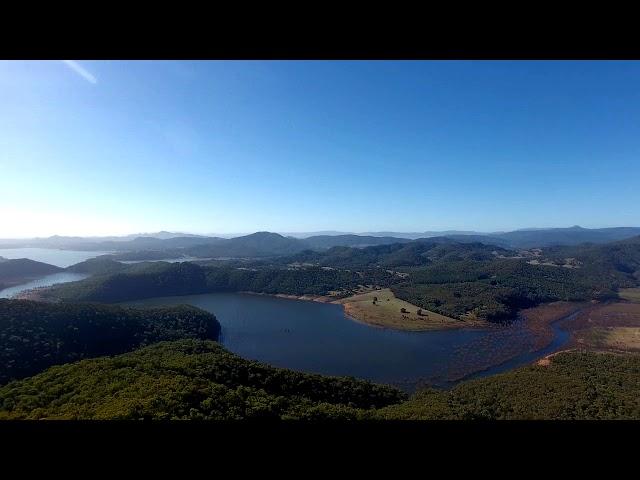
314, 232
112, 148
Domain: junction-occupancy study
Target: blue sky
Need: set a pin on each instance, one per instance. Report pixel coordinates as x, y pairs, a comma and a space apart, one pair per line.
109, 147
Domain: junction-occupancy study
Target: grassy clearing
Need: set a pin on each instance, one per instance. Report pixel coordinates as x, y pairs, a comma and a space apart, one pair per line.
624, 338
631, 294
614, 338
614, 326
387, 312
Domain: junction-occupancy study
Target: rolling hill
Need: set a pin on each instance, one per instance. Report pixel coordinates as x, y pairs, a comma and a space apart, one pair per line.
187, 379
565, 236
35, 335
21, 270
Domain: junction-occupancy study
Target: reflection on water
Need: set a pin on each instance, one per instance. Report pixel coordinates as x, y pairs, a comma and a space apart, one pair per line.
317, 337
47, 281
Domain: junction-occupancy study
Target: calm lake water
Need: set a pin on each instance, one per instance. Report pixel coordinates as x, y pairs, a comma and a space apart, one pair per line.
168, 260
319, 338
46, 281
52, 256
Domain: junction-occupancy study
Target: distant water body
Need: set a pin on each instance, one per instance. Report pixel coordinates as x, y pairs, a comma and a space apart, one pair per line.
168, 260
52, 256
47, 281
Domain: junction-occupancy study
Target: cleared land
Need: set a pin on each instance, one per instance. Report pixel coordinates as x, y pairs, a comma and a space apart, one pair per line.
387, 312
631, 294
613, 338
623, 338
614, 326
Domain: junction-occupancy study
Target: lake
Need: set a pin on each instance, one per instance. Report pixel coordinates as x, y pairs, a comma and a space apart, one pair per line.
319, 338
52, 256
45, 281
168, 260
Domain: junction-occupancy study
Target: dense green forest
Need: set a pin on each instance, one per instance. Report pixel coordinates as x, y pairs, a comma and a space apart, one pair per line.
193, 379
417, 253
187, 379
140, 280
144, 280
35, 335
495, 290
575, 386
621, 256
294, 281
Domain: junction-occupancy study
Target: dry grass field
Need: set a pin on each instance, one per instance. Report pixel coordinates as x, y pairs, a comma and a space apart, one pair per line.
387, 312
614, 326
631, 294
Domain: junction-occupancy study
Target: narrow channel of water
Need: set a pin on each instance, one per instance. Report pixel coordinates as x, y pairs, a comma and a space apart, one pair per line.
560, 338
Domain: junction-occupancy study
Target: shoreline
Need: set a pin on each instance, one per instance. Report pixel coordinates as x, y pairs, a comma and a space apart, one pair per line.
304, 298
434, 328
348, 309
540, 320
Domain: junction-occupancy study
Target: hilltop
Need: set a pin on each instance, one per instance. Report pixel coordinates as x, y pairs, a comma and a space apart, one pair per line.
34, 335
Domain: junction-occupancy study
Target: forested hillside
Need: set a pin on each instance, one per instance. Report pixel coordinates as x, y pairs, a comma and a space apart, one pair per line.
622, 256
98, 266
140, 280
575, 386
398, 255
145, 280
187, 379
200, 380
495, 290
575, 235
34, 335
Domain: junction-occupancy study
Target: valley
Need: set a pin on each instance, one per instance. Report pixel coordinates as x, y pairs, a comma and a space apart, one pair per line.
445, 313
323, 238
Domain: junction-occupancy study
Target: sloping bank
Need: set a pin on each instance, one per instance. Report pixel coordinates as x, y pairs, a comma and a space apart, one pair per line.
192, 379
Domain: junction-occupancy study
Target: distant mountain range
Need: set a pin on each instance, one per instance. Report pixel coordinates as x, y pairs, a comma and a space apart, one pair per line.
264, 244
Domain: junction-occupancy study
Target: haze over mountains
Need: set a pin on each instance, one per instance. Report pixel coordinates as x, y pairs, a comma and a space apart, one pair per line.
269, 244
